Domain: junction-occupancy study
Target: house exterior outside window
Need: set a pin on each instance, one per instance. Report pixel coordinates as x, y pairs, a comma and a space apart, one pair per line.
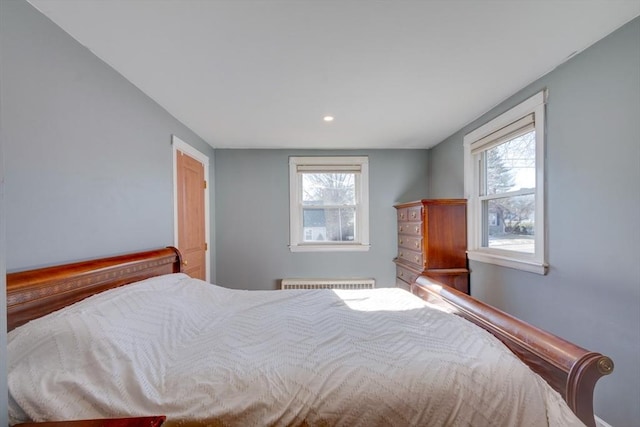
329, 203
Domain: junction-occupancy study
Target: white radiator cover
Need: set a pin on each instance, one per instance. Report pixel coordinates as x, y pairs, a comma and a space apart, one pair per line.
351, 283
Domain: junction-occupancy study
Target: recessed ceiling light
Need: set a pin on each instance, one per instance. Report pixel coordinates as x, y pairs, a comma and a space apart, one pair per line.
328, 118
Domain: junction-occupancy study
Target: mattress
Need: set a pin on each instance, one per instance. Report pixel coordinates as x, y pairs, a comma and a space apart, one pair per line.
202, 354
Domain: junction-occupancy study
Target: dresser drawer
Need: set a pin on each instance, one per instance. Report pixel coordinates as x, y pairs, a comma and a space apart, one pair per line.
403, 214
410, 242
413, 213
403, 285
406, 275
410, 228
410, 256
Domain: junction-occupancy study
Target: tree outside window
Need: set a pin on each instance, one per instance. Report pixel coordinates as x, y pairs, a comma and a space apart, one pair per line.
329, 203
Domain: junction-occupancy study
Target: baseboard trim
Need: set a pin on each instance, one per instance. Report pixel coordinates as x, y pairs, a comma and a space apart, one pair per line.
601, 423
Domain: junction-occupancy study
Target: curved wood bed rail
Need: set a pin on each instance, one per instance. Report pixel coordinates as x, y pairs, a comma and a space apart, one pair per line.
571, 370
34, 293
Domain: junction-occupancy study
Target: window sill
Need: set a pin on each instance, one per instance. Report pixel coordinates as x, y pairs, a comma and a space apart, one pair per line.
531, 266
329, 248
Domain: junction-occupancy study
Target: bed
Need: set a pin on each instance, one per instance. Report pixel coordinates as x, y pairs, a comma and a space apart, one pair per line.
273, 362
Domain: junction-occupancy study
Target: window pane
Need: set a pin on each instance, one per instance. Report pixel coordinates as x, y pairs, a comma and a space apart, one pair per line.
511, 166
332, 189
509, 222
330, 225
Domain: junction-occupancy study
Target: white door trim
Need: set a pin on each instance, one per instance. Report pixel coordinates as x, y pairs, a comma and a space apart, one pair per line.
180, 145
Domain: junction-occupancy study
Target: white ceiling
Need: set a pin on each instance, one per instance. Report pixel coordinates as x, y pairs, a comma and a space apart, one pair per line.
395, 74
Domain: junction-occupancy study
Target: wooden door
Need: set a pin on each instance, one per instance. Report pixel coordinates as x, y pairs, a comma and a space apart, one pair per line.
191, 186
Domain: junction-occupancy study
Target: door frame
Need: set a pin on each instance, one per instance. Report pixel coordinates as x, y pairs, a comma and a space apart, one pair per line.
180, 145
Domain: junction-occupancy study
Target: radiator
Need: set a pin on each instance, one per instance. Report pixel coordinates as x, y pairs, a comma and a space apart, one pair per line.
328, 284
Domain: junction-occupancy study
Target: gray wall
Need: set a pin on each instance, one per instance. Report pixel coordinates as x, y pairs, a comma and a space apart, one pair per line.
3, 289
252, 217
591, 294
88, 155
3, 293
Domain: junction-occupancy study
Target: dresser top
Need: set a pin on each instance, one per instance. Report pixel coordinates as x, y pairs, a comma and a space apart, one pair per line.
431, 202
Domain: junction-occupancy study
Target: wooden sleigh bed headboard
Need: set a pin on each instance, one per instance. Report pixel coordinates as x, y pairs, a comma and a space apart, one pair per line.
571, 370
34, 293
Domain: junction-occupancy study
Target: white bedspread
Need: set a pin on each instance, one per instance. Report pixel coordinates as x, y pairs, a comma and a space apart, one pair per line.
198, 352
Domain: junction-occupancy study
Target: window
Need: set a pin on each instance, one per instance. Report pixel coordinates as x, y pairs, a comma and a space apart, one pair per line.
329, 203
504, 185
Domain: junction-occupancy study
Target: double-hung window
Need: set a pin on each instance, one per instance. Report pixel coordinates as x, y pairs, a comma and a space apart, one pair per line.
329, 203
504, 185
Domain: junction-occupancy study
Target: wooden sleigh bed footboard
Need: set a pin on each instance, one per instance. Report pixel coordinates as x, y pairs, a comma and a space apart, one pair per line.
569, 369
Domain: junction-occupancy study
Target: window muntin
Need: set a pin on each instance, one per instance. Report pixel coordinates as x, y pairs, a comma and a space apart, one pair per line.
511, 223
504, 185
329, 188
511, 165
507, 193
329, 203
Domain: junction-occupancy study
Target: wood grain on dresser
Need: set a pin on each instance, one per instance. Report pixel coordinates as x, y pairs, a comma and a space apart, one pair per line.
432, 241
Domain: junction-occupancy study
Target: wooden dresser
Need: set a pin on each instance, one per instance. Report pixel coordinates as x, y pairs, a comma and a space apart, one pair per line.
432, 241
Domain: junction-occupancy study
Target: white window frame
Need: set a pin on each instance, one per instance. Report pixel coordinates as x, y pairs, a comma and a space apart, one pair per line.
324, 164
483, 138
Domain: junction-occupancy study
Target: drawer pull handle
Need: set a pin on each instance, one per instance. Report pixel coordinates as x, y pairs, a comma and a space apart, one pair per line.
400, 241
417, 244
413, 214
416, 258
401, 274
401, 254
417, 229
402, 215
400, 228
